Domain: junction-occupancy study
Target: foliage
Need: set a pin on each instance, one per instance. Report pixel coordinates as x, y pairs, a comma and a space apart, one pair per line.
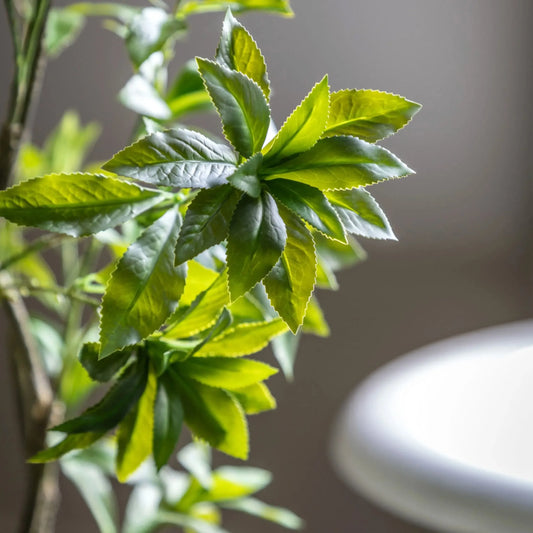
196, 254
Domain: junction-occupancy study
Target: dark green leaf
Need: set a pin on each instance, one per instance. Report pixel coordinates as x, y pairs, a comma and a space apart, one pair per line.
114, 406
214, 415
226, 373
255, 507
102, 369
243, 339
246, 179
341, 163
136, 432
175, 158
360, 213
75, 204
69, 443
149, 31
290, 283
310, 204
140, 96
168, 418
237, 50
255, 398
206, 221
369, 115
145, 287
256, 239
241, 105
62, 29
95, 489
304, 127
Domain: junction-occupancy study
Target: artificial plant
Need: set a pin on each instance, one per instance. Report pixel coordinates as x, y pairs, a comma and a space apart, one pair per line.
179, 257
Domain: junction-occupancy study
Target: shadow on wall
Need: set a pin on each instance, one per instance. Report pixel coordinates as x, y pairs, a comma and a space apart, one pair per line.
463, 257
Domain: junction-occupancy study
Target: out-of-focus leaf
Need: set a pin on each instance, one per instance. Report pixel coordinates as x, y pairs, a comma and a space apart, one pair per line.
70, 442
196, 458
140, 96
62, 29
279, 7
102, 369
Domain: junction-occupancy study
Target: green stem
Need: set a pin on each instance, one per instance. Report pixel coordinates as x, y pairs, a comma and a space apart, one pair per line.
42, 243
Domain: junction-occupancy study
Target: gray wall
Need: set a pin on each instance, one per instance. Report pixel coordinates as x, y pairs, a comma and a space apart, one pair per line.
463, 260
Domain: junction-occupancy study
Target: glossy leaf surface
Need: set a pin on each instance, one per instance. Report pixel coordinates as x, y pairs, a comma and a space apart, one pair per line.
75, 204
175, 158
241, 105
145, 287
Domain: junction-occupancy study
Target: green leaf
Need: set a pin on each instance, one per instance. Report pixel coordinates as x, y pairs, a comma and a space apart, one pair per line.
341, 163
199, 279
75, 204
114, 406
149, 31
238, 51
338, 255
226, 373
145, 287
279, 7
232, 482
360, 214
255, 507
243, 339
369, 115
140, 96
241, 105
69, 443
246, 176
196, 458
203, 312
285, 348
95, 489
206, 221
214, 415
136, 432
121, 11
314, 321
168, 419
175, 158
310, 204
102, 369
255, 398
256, 239
290, 283
304, 127
62, 29
191, 524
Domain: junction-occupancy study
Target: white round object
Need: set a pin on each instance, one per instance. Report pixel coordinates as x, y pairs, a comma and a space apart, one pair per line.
444, 435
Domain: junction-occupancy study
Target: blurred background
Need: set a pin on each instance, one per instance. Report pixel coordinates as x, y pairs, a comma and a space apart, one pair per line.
463, 260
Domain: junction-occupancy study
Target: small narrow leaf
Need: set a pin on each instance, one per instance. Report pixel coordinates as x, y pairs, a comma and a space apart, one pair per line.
214, 415
113, 407
279, 7
226, 373
243, 339
233, 482
304, 127
285, 348
369, 115
203, 312
95, 489
206, 221
62, 29
241, 105
196, 458
246, 177
255, 398
360, 214
256, 239
290, 283
102, 369
237, 50
144, 289
175, 158
255, 507
168, 419
135, 433
70, 442
310, 204
75, 204
341, 163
